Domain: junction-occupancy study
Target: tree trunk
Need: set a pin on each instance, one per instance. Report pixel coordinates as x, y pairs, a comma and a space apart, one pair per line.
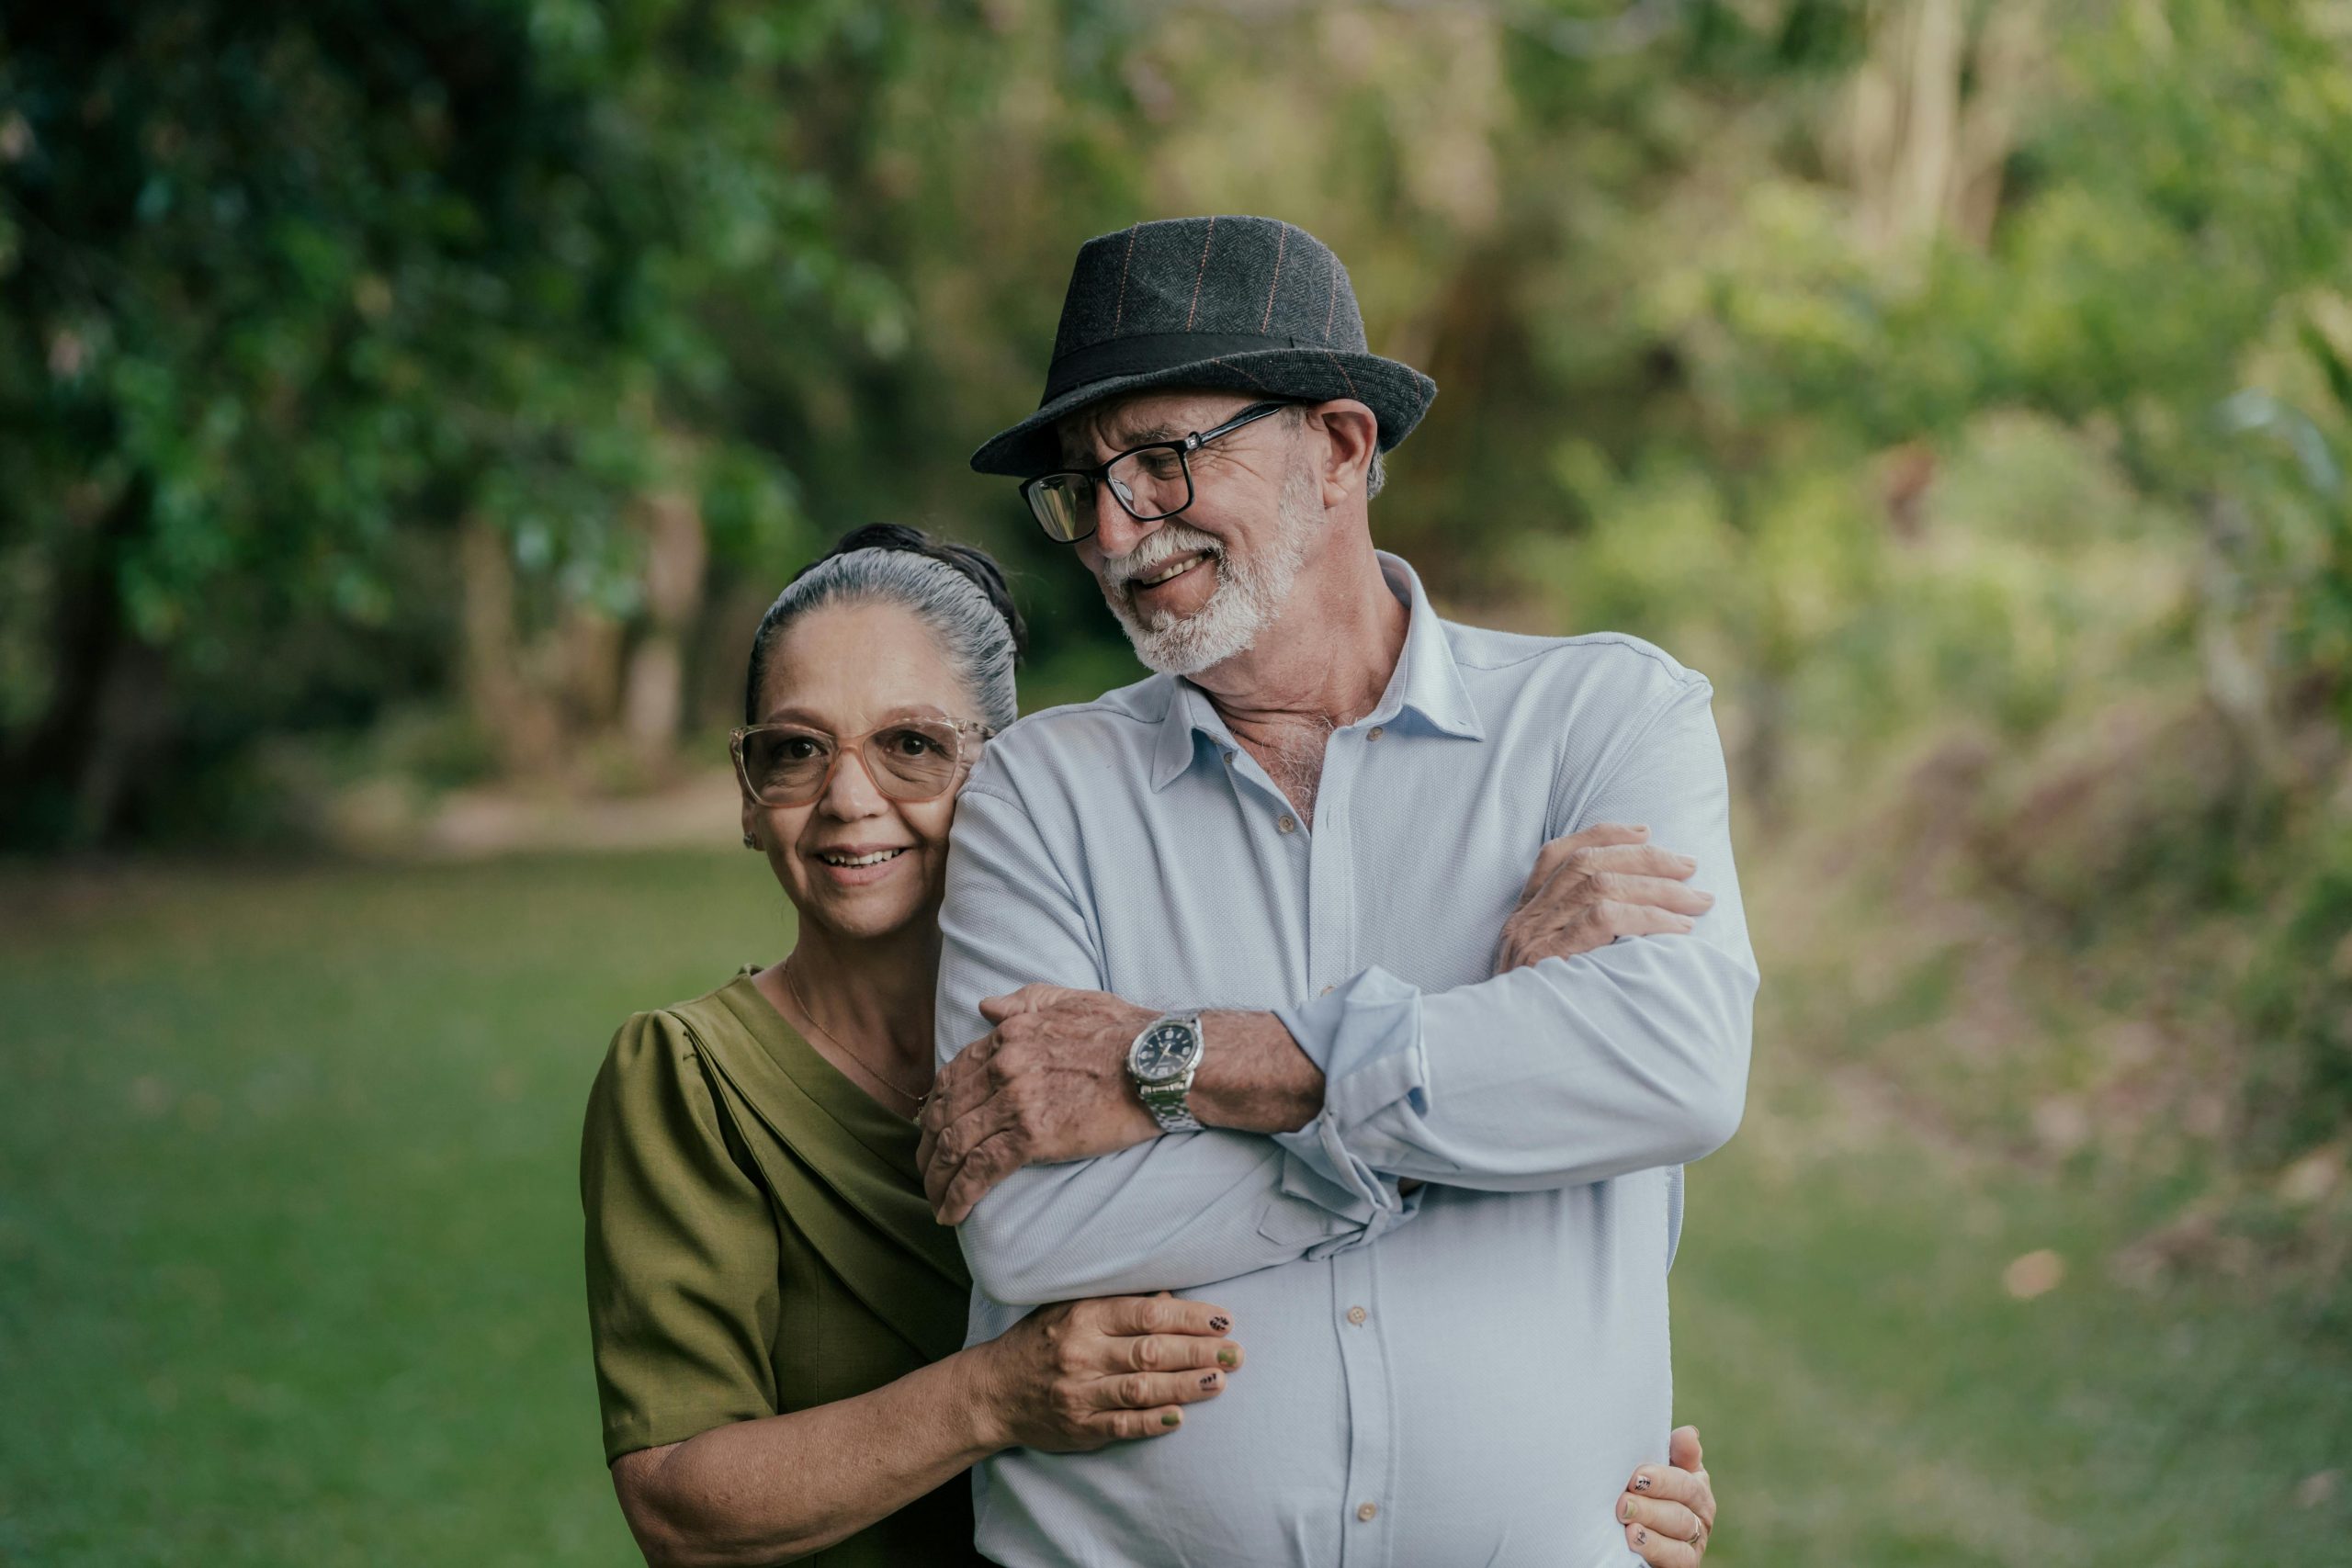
56, 784
520, 726
654, 694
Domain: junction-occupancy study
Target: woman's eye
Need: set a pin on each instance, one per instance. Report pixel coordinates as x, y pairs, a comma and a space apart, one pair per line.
912, 743
799, 748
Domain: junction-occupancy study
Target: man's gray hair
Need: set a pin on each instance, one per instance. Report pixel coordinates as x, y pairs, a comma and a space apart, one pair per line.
973, 633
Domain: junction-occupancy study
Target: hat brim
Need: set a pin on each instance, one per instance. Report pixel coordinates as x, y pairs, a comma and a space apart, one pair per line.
1397, 395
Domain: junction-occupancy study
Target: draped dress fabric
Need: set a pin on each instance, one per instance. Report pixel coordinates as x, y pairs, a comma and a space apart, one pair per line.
758, 1243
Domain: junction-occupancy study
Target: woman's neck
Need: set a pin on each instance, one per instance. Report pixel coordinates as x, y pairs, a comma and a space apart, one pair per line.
874, 994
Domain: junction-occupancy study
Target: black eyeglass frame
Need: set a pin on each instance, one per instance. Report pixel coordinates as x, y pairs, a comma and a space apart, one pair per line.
1100, 474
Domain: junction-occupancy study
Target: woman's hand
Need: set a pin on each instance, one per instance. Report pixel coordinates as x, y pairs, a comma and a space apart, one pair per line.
1669, 1510
1077, 1376
1595, 885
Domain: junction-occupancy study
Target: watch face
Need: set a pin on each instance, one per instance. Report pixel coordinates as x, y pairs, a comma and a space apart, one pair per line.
1164, 1052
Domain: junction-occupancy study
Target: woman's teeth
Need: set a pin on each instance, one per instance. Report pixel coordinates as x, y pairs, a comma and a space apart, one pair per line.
877, 858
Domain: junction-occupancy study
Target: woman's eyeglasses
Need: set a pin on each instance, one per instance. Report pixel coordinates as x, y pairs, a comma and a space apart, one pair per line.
908, 759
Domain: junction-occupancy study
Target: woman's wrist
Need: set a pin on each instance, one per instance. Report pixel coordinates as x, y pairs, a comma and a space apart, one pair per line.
978, 1395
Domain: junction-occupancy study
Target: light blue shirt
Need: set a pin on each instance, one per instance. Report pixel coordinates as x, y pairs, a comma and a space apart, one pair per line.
1467, 1374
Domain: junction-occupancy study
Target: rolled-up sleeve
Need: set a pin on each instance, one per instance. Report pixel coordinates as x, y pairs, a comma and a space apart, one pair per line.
1572, 1069
1180, 1211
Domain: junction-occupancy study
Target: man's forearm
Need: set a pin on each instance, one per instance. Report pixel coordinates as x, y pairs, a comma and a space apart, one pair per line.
1253, 1077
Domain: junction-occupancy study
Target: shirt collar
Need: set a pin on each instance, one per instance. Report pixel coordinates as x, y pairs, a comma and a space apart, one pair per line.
1427, 683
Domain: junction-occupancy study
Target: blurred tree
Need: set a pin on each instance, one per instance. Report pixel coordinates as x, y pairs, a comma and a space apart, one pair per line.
302, 304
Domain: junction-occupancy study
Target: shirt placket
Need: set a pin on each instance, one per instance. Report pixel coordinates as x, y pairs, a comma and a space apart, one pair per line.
1366, 1526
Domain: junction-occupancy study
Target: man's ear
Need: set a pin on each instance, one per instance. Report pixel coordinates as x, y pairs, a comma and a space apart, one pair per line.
1351, 434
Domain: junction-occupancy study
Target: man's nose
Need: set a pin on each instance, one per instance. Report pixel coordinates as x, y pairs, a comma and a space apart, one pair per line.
1115, 529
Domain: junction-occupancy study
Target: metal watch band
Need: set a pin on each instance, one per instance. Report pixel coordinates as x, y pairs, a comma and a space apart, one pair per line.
1171, 1102
1167, 1103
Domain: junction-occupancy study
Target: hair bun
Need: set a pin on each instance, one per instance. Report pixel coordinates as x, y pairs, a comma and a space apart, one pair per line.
969, 561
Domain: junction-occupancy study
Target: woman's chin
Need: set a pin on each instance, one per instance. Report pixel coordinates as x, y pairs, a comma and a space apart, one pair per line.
863, 913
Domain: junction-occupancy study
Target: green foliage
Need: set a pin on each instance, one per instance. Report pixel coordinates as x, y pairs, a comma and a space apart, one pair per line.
288, 285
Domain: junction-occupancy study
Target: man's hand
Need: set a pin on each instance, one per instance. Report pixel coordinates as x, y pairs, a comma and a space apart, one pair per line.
1049, 1083
1669, 1510
1595, 885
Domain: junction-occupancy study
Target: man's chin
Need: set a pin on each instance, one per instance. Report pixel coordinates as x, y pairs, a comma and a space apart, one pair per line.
1178, 651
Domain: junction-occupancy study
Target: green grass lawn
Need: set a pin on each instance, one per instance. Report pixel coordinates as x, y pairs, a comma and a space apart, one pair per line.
288, 1262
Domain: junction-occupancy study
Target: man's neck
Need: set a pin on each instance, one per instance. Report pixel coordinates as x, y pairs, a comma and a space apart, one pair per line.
1324, 664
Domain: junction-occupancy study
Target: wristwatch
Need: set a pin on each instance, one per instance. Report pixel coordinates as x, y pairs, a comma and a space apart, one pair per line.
1162, 1062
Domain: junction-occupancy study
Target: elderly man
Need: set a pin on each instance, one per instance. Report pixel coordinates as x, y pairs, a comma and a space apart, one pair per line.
1221, 1009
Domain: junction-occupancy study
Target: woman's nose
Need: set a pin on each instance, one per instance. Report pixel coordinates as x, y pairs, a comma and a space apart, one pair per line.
850, 792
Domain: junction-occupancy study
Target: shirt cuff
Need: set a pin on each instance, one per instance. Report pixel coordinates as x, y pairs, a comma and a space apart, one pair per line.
1365, 1034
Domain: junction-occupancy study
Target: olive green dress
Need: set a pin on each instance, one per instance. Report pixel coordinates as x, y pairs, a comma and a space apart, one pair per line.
758, 1242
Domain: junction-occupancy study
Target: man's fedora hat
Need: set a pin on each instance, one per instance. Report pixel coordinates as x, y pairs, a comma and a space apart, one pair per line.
1250, 305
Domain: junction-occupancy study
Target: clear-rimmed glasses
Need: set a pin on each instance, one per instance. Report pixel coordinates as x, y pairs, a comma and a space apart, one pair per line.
1151, 481
908, 759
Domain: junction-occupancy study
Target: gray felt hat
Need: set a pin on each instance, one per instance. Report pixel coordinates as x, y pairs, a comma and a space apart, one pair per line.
1249, 305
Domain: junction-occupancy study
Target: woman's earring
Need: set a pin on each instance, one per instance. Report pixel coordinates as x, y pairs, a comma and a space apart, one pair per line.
749, 842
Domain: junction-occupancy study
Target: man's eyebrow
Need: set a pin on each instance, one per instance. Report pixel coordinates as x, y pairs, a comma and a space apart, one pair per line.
1123, 439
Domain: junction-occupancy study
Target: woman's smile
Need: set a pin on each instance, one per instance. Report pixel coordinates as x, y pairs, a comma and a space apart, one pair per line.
857, 865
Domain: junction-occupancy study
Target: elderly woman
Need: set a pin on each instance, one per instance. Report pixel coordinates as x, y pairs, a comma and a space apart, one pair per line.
777, 1318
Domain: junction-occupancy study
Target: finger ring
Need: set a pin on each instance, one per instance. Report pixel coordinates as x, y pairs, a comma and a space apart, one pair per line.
1699, 1536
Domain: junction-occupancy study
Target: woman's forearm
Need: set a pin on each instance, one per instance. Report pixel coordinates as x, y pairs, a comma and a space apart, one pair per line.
783, 1486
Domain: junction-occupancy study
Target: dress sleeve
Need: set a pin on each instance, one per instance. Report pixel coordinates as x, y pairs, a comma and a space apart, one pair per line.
681, 1253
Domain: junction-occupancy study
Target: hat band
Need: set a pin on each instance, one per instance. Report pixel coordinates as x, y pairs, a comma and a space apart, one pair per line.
1147, 351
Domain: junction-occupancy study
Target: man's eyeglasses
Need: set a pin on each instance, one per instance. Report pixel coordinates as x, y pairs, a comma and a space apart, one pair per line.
1151, 482
908, 759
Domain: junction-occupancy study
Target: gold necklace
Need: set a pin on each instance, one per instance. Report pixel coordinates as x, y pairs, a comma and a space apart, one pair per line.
810, 1014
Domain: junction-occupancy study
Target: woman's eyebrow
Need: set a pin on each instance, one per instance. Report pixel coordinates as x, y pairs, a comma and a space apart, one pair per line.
904, 710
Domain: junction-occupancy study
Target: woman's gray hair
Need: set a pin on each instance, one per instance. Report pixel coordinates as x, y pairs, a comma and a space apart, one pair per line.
957, 593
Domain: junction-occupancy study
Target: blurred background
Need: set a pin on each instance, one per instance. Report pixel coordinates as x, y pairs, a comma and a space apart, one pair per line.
405, 411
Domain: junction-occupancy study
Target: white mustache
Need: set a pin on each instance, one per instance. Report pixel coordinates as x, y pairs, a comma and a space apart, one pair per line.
1171, 540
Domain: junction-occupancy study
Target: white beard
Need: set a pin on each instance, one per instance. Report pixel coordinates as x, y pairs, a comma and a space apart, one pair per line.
1248, 594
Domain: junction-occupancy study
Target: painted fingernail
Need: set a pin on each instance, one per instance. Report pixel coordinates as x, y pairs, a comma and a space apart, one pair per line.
1226, 1359
1641, 1537
1209, 1382
1219, 1323
1641, 1482
1171, 1419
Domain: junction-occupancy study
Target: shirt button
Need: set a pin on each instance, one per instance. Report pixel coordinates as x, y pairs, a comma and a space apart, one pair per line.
1286, 823
1376, 733
1368, 1511
1228, 756
1356, 1315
